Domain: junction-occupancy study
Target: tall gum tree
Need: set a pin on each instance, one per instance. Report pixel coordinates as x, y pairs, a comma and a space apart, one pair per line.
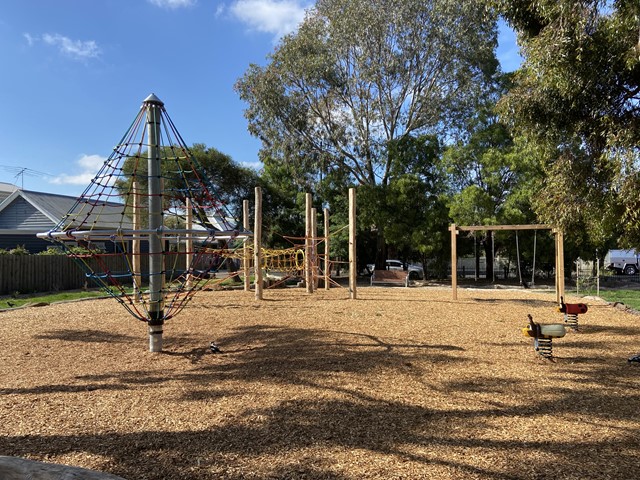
361, 75
577, 96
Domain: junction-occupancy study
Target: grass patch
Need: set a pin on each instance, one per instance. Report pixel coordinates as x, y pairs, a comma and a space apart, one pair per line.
630, 298
20, 300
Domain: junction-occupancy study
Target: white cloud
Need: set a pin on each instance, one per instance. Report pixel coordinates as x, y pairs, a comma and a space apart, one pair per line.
77, 49
172, 4
30, 38
89, 165
257, 166
220, 9
277, 17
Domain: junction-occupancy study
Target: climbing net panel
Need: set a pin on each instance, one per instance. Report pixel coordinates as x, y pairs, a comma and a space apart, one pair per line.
146, 228
287, 260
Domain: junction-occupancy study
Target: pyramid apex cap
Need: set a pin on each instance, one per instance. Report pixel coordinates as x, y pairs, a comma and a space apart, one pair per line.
153, 99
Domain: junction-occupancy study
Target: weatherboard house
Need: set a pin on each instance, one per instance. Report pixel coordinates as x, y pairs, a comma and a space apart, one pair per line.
24, 213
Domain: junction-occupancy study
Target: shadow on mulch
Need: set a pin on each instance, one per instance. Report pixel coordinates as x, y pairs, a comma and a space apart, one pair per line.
357, 421
382, 427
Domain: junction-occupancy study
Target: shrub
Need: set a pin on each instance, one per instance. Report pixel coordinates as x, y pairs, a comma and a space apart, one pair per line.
19, 250
52, 251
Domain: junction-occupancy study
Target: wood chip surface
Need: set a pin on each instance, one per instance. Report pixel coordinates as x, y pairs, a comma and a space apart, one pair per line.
401, 383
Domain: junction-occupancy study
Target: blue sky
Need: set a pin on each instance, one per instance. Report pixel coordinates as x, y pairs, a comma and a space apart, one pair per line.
75, 73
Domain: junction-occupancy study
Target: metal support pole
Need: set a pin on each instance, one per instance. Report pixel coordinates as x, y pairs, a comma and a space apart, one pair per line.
153, 106
189, 255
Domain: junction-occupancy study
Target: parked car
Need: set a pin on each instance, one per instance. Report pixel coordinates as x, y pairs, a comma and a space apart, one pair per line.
415, 271
623, 261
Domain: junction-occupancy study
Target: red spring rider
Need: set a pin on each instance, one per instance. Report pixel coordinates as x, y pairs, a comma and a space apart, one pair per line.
571, 312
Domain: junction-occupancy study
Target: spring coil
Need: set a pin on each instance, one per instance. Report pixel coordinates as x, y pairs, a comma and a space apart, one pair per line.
544, 347
572, 321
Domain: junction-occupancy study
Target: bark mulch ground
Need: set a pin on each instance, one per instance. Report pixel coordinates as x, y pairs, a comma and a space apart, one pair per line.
402, 383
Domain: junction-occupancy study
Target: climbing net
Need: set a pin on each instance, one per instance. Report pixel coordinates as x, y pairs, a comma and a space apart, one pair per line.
146, 228
286, 260
283, 264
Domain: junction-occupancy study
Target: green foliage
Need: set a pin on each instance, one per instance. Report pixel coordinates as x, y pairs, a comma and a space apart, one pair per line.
18, 250
359, 75
492, 177
52, 251
350, 97
228, 182
577, 98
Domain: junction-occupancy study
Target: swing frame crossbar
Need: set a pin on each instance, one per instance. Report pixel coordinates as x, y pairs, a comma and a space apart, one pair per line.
559, 250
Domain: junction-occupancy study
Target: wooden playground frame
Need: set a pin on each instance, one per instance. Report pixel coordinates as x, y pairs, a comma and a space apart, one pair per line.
559, 250
311, 237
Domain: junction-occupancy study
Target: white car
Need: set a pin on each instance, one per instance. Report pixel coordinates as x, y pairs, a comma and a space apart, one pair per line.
625, 262
415, 271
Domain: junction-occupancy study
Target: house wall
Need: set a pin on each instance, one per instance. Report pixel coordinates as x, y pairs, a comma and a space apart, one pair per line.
19, 223
21, 215
32, 243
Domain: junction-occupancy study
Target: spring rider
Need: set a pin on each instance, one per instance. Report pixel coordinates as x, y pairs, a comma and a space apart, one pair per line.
571, 312
543, 336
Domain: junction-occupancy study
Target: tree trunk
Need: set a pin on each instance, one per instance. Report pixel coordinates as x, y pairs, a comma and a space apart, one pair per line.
381, 251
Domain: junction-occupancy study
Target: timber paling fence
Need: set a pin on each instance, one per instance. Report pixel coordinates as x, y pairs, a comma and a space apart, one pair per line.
52, 273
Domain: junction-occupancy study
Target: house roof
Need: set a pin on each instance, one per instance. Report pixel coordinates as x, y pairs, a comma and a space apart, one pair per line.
78, 212
6, 189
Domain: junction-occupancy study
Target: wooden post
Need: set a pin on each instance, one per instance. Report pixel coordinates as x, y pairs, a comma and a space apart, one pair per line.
327, 263
257, 244
314, 248
454, 260
559, 265
135, 244
246, 263
308, 275
353, 274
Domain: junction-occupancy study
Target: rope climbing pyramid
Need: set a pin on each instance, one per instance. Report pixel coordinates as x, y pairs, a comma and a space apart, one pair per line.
144, 229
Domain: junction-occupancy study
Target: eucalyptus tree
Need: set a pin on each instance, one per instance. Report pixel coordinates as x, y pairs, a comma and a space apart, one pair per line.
577, 96
359, 76
493, 177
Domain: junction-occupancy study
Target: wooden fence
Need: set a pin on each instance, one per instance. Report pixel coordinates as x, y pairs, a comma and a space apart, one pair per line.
52, 273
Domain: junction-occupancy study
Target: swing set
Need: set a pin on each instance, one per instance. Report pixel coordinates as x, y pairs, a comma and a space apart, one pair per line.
559, 251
